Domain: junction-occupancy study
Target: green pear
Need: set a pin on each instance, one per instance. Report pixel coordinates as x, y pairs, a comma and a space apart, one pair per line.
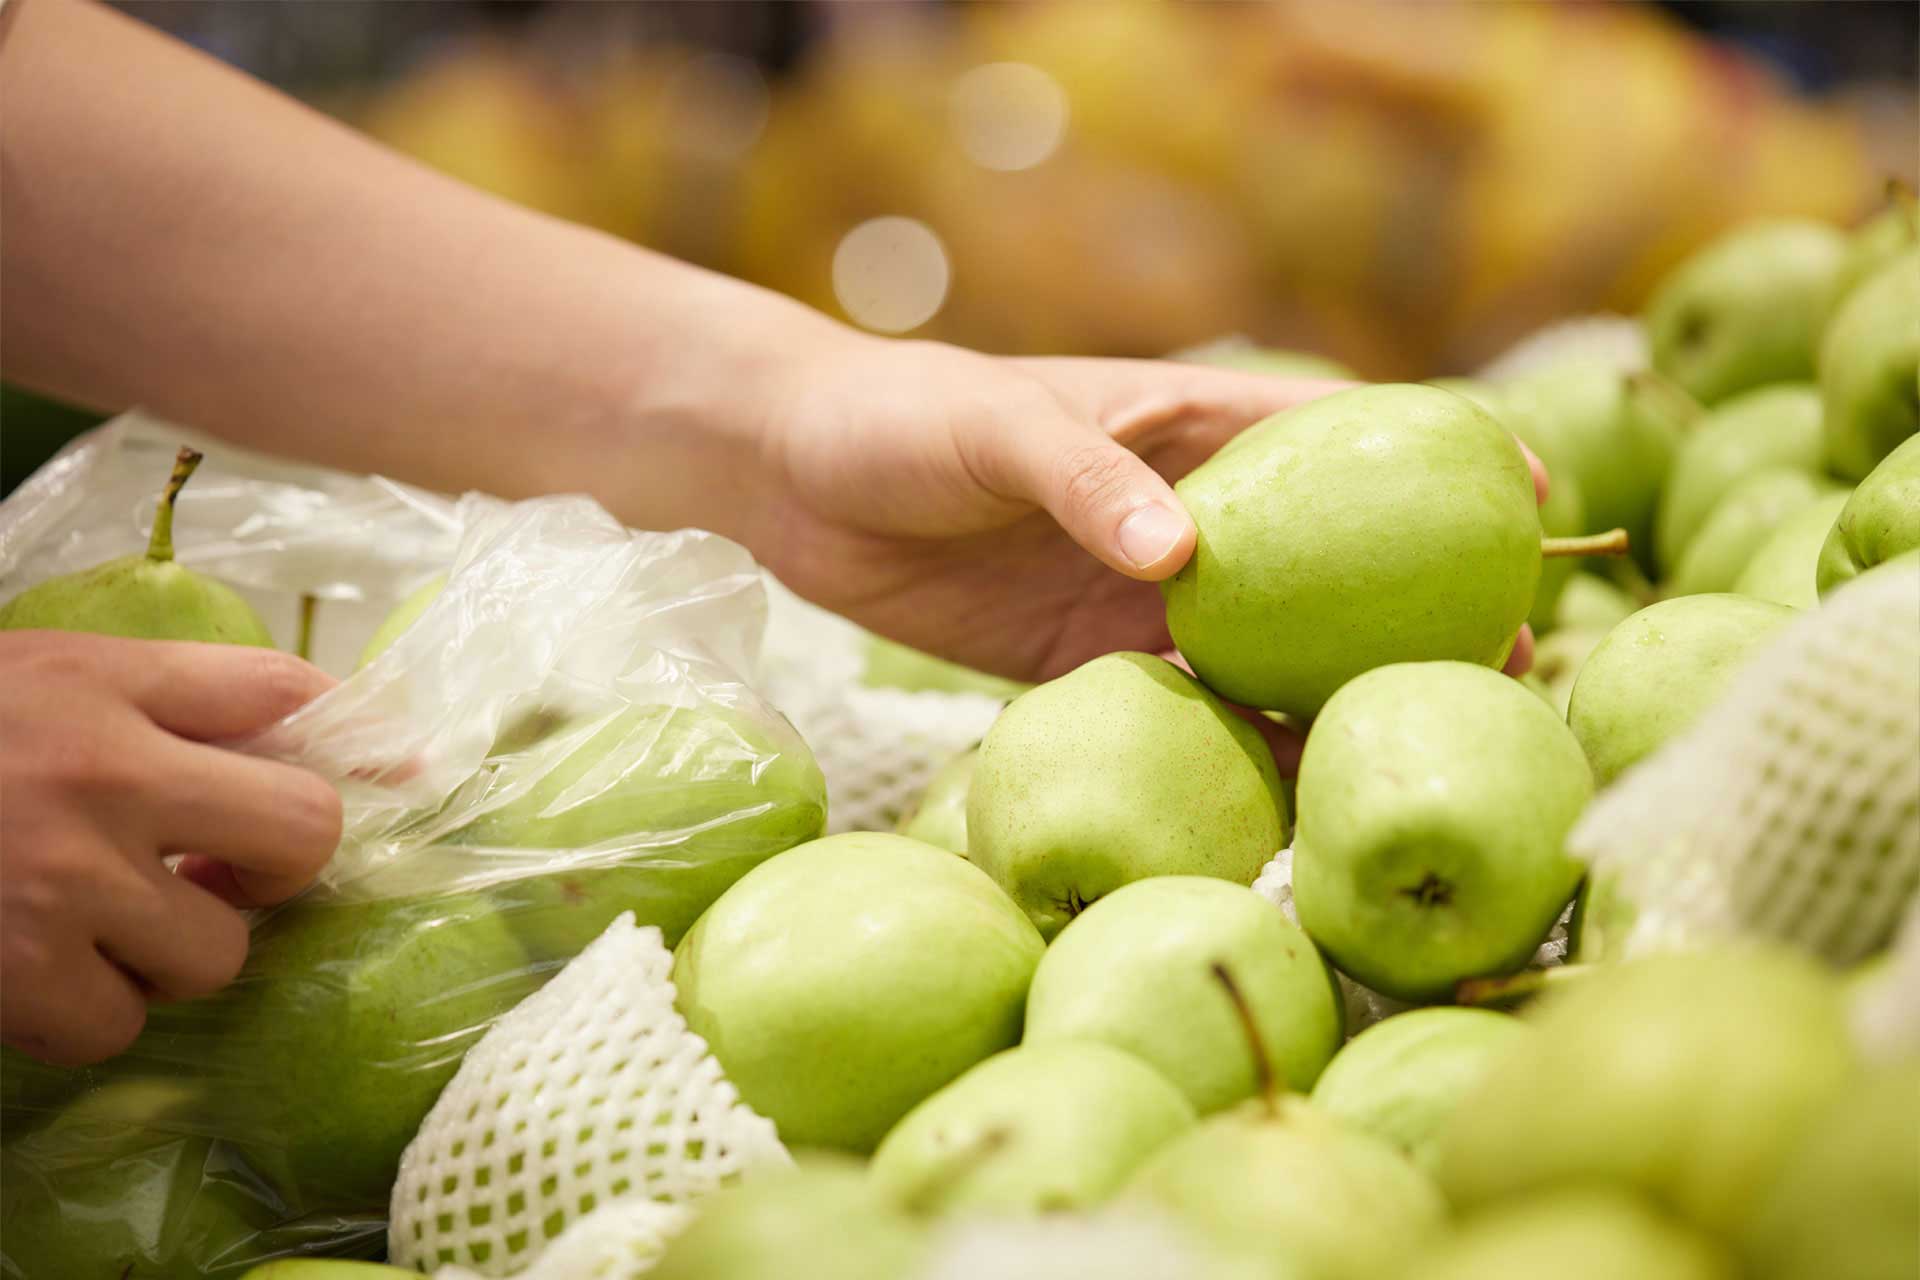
682, 801
1784, 569
1434, 800
1035, 1129
823, 1219
842, 982
1588, 1233
1775, 426
404, 615
325, 1269
1742, 519
1124, 768
1746, 310
345, 1024
1592, 603
1275, 1180
1557, 660
940, 815
1892, 232
1689, 1077
1870, 369
1401, 1078
1273, 361
1376, 525
1880, 521
1136, 971
1847, 1201
143, 597
890, 665
1658, 671
1613, 433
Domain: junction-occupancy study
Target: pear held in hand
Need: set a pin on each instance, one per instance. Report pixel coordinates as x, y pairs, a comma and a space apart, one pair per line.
144, 597
1124, 768
1377, 525
843, 981
1434, 801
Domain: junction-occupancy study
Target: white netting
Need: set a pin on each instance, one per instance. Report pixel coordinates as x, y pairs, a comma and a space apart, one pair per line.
1791, 810
877, 747
590, 1094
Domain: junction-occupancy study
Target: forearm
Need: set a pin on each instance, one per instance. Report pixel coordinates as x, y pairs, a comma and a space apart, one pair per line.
181, 237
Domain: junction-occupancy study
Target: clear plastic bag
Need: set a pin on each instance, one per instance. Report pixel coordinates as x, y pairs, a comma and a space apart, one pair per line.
567, 732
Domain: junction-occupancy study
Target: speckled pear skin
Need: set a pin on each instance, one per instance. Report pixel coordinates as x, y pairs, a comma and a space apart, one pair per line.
1746, 310
1124, 768
1880, 521
1870, 369
1783, 569
1383, 524
1659, 670
1435, 799
1775, 426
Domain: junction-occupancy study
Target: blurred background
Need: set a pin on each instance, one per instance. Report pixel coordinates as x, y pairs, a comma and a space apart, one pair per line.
1407, 187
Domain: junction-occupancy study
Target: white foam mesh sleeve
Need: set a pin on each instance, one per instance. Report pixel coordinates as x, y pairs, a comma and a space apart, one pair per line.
592, 1096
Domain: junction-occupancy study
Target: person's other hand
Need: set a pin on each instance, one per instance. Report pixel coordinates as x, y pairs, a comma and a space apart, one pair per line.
950, 500
106, 769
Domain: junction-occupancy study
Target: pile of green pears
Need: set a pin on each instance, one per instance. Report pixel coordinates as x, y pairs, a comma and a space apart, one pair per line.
269, 1119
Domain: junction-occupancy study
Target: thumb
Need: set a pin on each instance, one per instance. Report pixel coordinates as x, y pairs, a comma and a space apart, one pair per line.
1109, 501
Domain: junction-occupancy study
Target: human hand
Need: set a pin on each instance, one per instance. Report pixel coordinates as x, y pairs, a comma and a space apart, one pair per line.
106, 769
950, 500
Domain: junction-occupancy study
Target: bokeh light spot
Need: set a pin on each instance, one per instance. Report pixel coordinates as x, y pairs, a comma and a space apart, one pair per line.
1008, 115
891, 274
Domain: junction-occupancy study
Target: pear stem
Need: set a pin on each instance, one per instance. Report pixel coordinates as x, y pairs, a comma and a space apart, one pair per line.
160, 543
303, 648
1611, 543
1263, 1075
1515, 987
923, 1199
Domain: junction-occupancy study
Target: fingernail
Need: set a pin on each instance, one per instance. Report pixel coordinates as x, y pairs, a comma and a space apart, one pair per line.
1149, 534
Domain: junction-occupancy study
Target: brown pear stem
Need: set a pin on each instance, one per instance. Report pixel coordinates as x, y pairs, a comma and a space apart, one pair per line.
923, 1199
1611, 543
160, 543
1515, 987
1263, 1075
303, 649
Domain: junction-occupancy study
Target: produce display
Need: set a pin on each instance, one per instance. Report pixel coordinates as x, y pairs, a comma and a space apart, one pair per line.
1054, 992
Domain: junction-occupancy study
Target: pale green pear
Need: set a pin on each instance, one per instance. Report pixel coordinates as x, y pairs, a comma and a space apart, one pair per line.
150, 596
1588, 1233
345, 1024
842, 982
1400, 1079
890, 665
1784, 569
1137, 970
1557, 660
1658, 671
1124, 768
1274, 361
939, 817
1689, 1077
825, 1219
1776, 426
1870, 369
680, 801
1592, 603
1743, 518
1434, 801
1890, 233
325, 1269
1746, 310
404, 615
1879, 522
1035, 1129
1278, 1181
1376, 525
1613, 433
1847, 1200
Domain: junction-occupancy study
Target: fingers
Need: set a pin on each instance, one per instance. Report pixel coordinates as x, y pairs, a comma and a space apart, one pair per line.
1520, 661
1538, 468
71, 1009
1131, 399
1109, 501
177, 938
214, 692
274, 824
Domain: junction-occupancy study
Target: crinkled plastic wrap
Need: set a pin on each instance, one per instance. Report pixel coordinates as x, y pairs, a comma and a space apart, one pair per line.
564, 734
